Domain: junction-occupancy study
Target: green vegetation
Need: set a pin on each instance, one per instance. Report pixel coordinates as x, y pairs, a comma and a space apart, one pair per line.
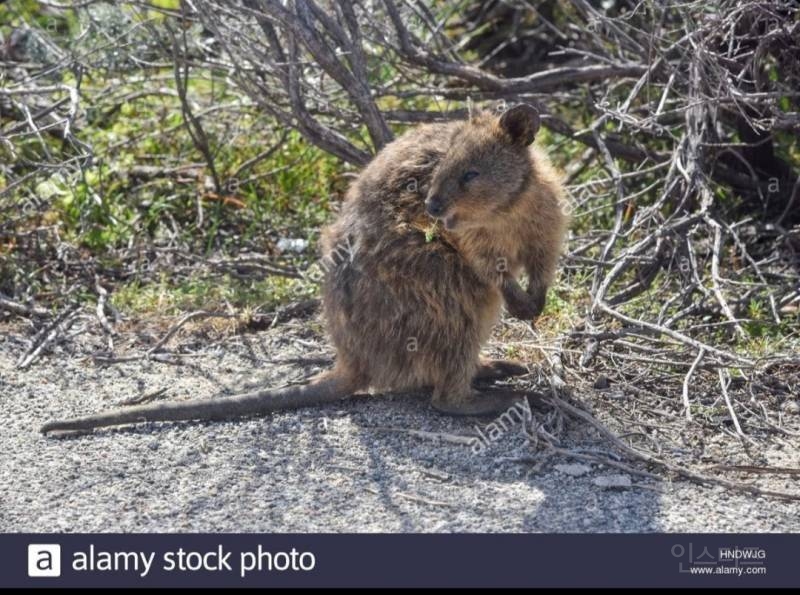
197, 293
147, 183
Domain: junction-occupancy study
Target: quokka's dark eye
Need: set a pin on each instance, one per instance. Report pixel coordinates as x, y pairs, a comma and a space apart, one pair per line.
470, 175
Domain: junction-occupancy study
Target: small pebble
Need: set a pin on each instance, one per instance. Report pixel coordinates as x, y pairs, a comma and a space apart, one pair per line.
613, 481
575, 470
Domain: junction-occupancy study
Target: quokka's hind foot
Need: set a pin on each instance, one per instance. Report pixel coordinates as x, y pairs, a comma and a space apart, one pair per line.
491, 370
484, 402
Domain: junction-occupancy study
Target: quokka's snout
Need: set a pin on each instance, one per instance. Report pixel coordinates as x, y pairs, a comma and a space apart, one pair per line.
435, 205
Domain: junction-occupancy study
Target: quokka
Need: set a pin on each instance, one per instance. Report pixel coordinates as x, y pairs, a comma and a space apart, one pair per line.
409, 309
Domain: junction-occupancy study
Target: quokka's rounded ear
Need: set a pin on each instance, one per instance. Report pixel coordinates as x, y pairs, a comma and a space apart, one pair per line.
521, 122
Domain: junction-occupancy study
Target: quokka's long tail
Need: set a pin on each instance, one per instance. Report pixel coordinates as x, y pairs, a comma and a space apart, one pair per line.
329, 387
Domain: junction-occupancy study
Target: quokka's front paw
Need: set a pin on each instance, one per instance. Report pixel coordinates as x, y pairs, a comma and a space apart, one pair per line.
523, 305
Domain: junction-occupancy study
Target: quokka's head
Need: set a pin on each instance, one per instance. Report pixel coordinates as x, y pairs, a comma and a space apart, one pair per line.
486, 167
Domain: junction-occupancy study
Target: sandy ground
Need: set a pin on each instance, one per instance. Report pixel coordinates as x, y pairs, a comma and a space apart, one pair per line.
352, 467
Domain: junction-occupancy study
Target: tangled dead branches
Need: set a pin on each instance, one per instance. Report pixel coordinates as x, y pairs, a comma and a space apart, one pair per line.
684, 109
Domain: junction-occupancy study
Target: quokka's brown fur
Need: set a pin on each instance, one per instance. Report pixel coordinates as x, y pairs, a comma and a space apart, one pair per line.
405, 312
408, 309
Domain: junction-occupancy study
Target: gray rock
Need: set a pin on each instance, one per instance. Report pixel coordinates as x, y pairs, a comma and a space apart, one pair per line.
613, 481
575, 469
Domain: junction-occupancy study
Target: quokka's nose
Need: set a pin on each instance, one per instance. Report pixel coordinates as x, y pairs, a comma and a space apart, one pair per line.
435, 206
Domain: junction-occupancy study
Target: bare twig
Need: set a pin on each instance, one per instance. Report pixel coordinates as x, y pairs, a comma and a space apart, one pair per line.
687, 405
